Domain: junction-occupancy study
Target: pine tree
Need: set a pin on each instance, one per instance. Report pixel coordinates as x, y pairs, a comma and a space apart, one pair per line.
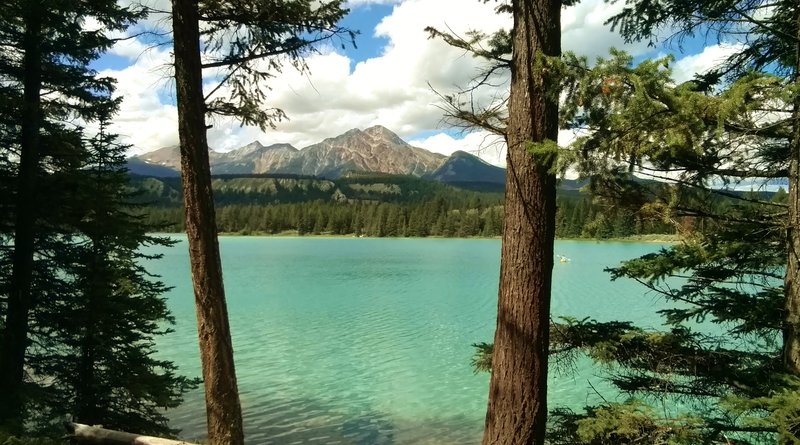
523, 310
740, 265
97, 336
772, 30
237, 34
740, 385
731, 266
44, 69
529, 125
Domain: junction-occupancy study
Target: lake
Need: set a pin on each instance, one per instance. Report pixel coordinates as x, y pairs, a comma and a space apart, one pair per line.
367, 341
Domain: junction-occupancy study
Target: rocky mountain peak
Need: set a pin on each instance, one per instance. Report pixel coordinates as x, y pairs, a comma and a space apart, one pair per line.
381, 132
349, 134
169, 156
285, 147
250, 148
375, 149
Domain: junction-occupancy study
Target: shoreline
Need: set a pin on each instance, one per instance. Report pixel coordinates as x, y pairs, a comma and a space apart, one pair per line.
649, 238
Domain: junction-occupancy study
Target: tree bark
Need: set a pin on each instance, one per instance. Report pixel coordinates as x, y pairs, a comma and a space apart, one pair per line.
223, 410
15, 335
517, 410
791, 332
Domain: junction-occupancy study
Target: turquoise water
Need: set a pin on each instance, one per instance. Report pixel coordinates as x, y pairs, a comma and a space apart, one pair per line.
367, 341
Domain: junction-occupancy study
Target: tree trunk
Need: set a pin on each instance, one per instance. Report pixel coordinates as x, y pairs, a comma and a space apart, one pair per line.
517, 409
223, 411
15, 336
86, 403
791, 333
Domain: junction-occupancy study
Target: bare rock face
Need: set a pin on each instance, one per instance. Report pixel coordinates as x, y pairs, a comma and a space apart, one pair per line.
255, 158
375, 149
170, 157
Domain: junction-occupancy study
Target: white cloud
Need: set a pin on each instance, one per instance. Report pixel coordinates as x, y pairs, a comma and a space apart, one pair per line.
584, 32
686, 68
336, 95
487, 146
147, 118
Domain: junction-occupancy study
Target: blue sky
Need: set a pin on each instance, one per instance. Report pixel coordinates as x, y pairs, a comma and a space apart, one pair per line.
386, 80
364, 19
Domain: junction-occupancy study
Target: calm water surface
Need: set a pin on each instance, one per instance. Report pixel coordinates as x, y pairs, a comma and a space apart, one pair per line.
367, 341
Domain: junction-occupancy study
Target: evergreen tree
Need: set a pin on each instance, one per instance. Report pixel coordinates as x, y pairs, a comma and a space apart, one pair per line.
740, 266
529, 125
97, 336
733, 376
236, 35
739, 383
772, 32
84, 321
44, 67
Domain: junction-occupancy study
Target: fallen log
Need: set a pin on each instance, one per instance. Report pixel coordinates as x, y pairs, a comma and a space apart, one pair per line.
93, 435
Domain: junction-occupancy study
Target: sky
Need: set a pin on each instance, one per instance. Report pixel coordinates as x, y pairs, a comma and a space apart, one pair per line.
391, 78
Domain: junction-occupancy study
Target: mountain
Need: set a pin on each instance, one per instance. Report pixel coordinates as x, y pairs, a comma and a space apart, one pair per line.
169, 157
143, 168
375, 149
255, 158
462, 167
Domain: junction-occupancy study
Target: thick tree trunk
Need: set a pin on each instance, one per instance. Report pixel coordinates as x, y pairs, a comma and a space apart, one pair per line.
223, 411
517, 409
791, 332
15, 336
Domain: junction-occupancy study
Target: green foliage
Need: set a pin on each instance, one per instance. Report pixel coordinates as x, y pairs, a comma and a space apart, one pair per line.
95, 311
719, 354
248, 42
482, 358
770, 27
383, 205
97, 335
545, 154
633, 422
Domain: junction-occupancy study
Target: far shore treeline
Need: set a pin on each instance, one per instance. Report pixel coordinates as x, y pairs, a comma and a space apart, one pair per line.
387, 206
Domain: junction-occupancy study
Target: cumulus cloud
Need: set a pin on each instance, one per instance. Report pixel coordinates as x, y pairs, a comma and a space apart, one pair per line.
487, 146
686, 68
148, 118
583, 30
394, 89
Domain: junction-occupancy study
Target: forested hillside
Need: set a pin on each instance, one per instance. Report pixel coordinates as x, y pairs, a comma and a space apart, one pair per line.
380, 205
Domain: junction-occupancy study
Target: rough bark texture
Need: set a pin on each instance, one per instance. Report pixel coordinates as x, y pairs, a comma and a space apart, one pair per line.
791, 333
15, 336
223, 411
517, 409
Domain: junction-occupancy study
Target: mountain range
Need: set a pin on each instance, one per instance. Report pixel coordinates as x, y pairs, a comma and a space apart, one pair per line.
375, 150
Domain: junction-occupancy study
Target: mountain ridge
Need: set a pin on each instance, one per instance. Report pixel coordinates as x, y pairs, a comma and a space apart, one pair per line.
375, 149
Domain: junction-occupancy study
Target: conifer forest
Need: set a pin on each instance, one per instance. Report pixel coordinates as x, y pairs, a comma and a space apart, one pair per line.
708, 167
